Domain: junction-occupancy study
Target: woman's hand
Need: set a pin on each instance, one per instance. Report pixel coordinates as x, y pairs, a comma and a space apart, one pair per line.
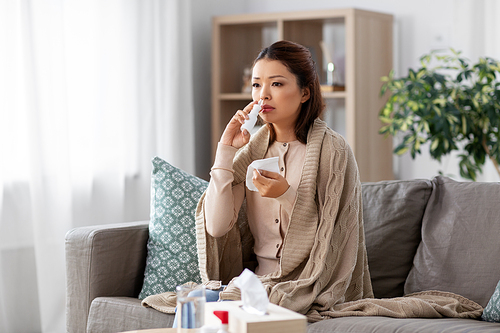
269, 184
233, 136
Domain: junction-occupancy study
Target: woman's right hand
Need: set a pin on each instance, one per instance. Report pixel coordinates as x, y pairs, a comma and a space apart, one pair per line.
233, 135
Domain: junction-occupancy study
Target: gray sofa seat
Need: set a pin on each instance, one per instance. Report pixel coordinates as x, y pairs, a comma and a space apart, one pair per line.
406, 325
403, 220
117, 314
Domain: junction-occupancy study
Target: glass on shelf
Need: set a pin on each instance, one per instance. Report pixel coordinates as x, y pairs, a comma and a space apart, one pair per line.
333, 50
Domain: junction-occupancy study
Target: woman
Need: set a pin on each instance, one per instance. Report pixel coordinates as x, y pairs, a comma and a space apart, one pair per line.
302, 232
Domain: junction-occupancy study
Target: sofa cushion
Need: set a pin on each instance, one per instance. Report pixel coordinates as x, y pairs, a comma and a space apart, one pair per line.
460, 241
392, 213
492, 310
398, 325
119, 314
172, 257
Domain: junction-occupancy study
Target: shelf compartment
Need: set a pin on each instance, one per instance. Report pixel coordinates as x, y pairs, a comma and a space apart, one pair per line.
242, 52
310, 33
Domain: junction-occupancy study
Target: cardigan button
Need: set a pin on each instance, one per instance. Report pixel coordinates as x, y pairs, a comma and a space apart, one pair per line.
277, 221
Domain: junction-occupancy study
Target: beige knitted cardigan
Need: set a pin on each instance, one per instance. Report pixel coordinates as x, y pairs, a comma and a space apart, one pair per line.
323, 268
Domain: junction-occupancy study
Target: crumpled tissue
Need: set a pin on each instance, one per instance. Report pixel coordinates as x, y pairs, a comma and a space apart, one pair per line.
253, 294
268, 164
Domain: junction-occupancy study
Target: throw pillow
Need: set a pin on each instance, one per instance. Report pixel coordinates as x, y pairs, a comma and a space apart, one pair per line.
172, 257
492, 310
459, 239
392, 214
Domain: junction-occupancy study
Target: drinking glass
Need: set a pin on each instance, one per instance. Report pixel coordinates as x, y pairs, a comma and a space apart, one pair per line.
190, 307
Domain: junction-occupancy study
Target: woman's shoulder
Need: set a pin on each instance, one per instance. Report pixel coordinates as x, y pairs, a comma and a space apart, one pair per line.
332, 138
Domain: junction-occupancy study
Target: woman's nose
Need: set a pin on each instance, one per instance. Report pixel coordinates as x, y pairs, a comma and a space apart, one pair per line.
265, 93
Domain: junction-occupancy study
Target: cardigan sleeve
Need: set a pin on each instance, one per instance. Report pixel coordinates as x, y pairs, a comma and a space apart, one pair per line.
222, 194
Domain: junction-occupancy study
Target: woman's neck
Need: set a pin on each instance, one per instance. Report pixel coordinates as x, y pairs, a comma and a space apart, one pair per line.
285, 135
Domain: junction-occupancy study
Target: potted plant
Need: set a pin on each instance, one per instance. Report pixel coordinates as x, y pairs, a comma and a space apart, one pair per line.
450, 103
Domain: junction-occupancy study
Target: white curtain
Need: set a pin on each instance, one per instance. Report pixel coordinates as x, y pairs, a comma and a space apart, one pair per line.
90, 91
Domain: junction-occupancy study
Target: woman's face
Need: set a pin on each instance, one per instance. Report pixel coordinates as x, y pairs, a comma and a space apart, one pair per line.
277, 87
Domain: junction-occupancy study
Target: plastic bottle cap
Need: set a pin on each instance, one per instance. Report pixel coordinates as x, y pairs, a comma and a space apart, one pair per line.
223, 316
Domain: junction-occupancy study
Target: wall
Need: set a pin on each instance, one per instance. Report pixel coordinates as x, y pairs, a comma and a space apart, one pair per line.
420, 26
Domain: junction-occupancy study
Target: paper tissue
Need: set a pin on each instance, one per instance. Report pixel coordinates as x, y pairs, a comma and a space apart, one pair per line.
268, 164
254, 313
253, 294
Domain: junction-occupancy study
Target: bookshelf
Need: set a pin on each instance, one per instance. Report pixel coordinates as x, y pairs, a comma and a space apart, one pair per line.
358, 42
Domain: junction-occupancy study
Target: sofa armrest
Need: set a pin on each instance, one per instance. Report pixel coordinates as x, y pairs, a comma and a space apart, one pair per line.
105, 260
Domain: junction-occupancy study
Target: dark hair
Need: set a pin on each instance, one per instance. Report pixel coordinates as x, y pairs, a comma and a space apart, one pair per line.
299, 62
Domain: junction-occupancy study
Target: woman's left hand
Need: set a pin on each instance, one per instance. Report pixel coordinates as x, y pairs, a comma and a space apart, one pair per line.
269, 184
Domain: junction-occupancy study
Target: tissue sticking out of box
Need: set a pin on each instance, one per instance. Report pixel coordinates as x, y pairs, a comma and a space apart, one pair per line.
253, 293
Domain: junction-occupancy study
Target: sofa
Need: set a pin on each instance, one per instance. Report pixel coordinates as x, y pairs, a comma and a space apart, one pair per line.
437, 234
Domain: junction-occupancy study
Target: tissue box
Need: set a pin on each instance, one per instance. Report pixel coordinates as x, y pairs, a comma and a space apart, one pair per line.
277, 319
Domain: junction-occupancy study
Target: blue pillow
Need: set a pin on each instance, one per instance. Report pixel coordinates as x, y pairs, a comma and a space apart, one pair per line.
172, 257
492, 310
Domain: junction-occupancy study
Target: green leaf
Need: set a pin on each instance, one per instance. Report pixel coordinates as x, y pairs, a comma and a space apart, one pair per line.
417, 144
412, 75
437, 110
440, 101
413, 105
385, 129
475, 102
435, 144
385, 119
401, 150
426, 126
404, 127
451, 119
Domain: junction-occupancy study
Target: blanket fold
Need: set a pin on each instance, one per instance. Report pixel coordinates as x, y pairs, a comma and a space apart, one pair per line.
425, 304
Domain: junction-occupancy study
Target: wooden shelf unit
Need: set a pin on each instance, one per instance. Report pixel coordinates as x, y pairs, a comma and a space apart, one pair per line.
361, 43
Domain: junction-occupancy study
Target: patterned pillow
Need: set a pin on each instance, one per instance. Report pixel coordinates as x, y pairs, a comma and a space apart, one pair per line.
492, 310
172, 257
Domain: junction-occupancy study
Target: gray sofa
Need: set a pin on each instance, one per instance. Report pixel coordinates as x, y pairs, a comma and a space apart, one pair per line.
421, 235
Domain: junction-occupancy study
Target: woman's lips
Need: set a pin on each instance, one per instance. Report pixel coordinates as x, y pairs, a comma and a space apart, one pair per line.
266, 108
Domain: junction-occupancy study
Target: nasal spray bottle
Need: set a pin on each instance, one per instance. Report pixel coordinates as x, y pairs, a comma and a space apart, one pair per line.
250, 122
224, 318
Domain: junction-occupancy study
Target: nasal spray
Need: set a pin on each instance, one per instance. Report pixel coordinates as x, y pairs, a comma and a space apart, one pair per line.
252, 117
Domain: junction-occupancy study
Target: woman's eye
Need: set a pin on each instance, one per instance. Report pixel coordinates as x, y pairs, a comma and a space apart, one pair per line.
255, 85
277, 84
